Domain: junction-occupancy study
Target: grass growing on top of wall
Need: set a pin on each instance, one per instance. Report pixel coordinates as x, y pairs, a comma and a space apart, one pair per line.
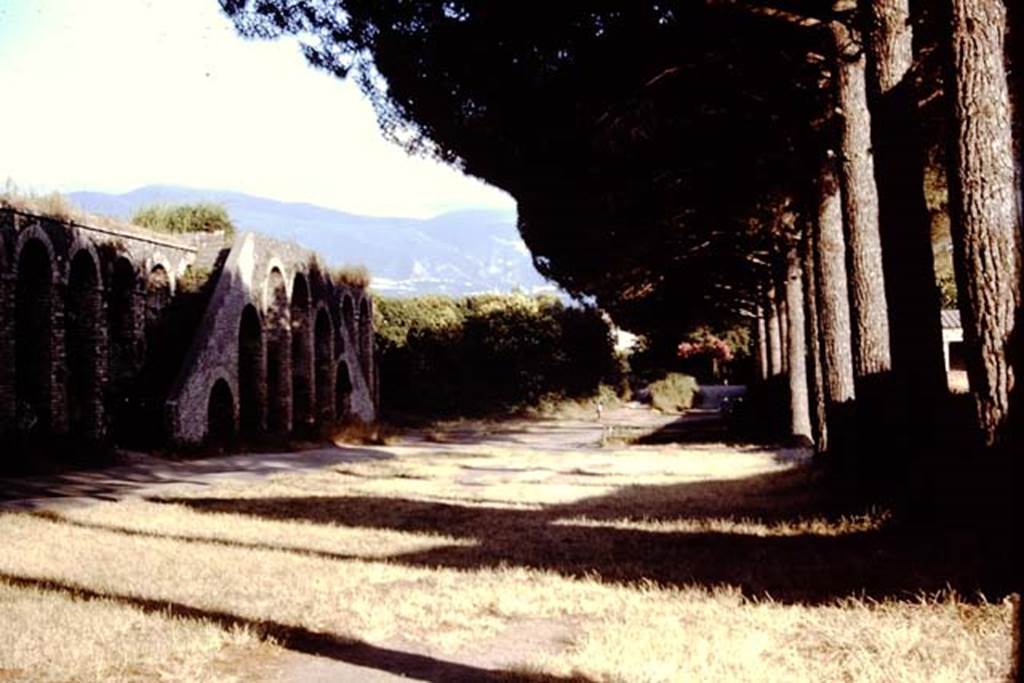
445, 357
185, 218
352, 275
52, 204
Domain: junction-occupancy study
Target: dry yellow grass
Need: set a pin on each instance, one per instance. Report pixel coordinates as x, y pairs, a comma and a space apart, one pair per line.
49, 636
640, 564
57, 206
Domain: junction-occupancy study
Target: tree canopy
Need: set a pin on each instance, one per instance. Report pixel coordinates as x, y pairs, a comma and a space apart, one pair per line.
665, 155
648, 145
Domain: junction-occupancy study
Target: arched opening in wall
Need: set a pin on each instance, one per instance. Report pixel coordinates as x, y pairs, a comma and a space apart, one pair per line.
250, 363
158, 295
123, 351
302, 356
322, 344
343, 393
220, 416
82, 344
365, 338
33, 335
278, 355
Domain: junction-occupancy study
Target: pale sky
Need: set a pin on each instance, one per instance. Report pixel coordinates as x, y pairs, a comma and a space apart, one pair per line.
110, 95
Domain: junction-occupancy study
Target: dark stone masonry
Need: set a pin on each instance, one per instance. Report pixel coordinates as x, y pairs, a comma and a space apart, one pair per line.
119, 335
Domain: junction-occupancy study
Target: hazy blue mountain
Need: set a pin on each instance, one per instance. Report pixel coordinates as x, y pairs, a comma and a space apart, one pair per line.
460, 252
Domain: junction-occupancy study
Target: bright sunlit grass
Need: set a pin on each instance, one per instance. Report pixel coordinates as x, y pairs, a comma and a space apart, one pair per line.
635, 564
50, 636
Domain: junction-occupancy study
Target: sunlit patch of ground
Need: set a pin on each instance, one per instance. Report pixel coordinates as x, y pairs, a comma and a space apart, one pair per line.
632, 564
51, 636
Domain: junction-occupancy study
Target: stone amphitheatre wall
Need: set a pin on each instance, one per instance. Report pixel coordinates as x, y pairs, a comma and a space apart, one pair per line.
292, 348
82, 309
74, 304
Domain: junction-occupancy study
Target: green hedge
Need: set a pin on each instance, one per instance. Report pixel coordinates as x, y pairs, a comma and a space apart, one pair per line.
490, 353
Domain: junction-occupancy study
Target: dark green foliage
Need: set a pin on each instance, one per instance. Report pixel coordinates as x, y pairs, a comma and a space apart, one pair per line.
639, 139
443, 357
185, 218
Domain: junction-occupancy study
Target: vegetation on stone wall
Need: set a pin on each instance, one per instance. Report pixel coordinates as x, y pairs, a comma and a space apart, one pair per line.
184, 218
440, 356
351, 275
52, 204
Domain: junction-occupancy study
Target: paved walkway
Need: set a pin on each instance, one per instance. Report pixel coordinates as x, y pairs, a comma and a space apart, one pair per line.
143, 475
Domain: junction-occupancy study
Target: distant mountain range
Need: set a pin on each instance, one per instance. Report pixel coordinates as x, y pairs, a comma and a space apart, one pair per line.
456, 253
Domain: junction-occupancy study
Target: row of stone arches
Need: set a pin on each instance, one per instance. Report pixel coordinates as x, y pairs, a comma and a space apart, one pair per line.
293, 374
77, 334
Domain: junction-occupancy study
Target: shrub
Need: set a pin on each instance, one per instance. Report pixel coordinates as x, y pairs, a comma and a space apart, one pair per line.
185, 218
673, 393
443, 357
193, 280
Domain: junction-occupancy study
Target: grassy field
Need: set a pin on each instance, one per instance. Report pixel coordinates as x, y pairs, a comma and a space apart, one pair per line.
452, 562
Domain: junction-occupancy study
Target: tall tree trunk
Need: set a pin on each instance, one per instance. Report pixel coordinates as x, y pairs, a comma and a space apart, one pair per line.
815, 373
1015, 48
860, 209
799, 405
760, 344
781, 304
984, 210
833, 303
911, 289
774, 335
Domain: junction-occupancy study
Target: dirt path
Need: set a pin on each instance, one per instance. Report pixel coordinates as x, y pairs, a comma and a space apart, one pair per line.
145, 475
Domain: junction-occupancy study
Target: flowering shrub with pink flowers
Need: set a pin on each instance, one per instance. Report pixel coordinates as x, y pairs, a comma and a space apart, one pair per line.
708, 345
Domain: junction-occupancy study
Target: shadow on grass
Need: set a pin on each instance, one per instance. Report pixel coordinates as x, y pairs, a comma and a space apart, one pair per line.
894, 561
350, 651
693, 427
114, 482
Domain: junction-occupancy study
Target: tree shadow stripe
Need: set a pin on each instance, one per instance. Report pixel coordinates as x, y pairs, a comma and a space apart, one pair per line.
298, 639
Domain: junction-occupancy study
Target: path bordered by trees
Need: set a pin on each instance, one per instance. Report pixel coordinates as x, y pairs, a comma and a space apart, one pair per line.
687, 162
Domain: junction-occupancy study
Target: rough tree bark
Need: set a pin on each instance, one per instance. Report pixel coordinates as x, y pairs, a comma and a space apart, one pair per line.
799, 405
905, 224
984, 209
815, 370
860, 209
833, 304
